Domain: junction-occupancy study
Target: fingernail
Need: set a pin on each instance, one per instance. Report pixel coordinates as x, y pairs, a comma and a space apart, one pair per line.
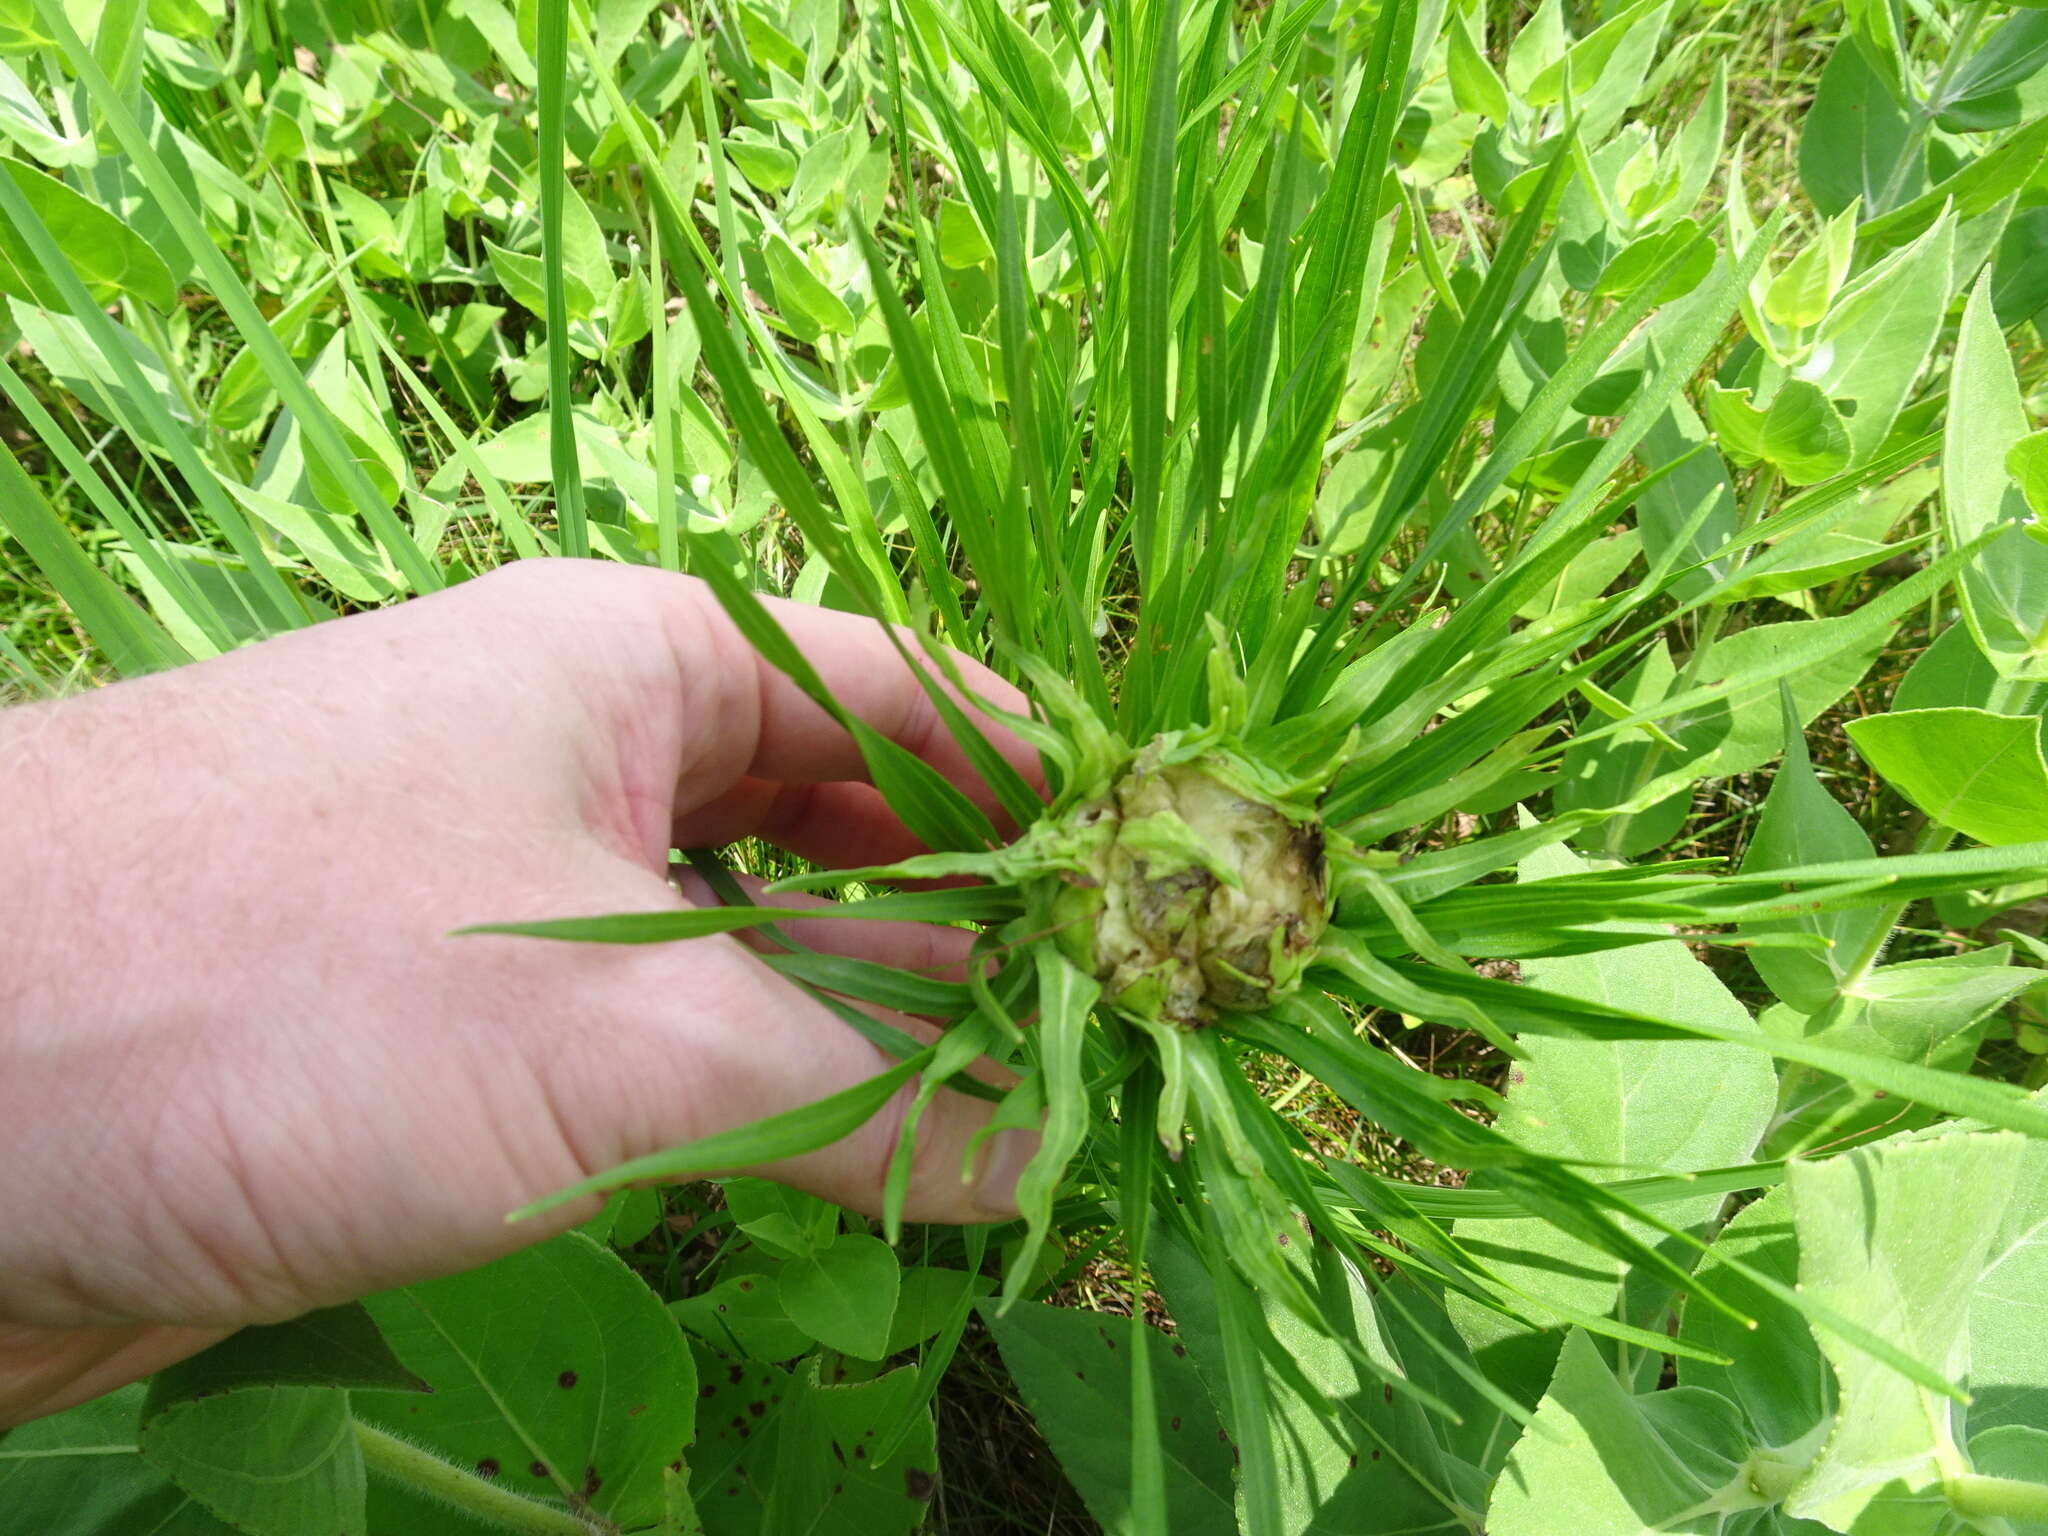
996, 1190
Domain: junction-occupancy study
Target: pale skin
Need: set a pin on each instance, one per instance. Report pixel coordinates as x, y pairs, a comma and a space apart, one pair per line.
246, 1068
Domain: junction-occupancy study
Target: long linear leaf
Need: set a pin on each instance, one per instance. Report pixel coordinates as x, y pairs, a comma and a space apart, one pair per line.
789, 1134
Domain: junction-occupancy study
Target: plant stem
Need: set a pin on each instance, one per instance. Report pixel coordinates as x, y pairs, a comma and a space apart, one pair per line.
1974, 1494
1925, 112
427, 1474
1933, 838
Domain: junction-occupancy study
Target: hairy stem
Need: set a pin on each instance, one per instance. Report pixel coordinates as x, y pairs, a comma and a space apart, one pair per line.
427, 1474
1973, 1495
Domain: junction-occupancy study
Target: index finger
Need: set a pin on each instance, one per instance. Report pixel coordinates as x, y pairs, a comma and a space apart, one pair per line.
765, 727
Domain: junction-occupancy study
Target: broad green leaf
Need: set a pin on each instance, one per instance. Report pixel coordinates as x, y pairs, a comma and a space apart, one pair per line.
128, 384
524, 277
1696, 498
289, 473
2008, 1345
2005, 81
844, 1296
1980, 773
1895, 1237
1627, 1105
333, 1347
2005, 588
1868, 353
1803, 824
1602, 69
1473, 81
1977, 188
1950, 674
1804, 436
743, 1313
1818, 659
1800, 295
1856, 141
927, 1301
109, 258
1924, 1011
1600, 1459
1531, 1011
801, 294
23, 121
81, 1471
780, 1451
1537, 46
787, 1222
555, 1369
1775, 1372
764, 163
2027, 463
270, 1461
1073, 1372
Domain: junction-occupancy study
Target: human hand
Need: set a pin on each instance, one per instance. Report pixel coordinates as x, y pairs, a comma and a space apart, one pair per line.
246, 1071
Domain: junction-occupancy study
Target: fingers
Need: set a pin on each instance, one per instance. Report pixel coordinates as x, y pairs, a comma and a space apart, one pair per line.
46, 1370
865, 673
926, 948
701, 1038
839, 826
753, 722
853, 1172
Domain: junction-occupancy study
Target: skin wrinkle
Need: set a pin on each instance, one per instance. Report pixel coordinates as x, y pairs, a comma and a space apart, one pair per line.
86, 1160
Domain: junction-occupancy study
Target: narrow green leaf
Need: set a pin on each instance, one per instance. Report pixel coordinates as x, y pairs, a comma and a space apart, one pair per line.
790, 1134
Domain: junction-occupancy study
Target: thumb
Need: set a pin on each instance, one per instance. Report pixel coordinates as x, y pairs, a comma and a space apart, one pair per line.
729, 1042
959, 1172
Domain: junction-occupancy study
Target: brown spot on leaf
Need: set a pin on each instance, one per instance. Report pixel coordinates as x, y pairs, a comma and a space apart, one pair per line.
488, 1467
566, 1380
918, 1483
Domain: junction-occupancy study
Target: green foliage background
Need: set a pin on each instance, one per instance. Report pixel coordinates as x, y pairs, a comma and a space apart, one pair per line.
1583, 442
